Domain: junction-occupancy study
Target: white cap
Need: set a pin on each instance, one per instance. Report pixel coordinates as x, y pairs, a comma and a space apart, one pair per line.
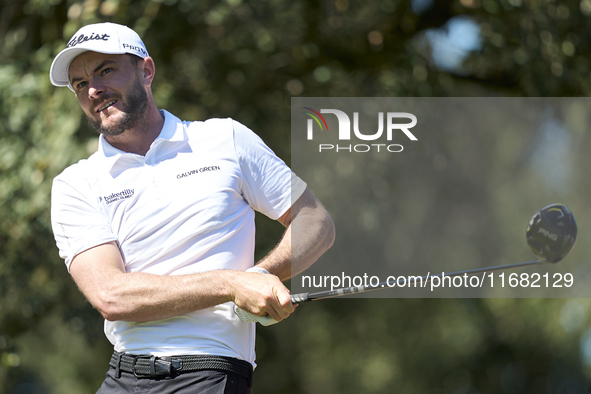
99, 37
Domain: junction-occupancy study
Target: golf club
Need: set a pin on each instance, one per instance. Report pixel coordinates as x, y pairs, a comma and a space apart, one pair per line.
551, 234
321, 295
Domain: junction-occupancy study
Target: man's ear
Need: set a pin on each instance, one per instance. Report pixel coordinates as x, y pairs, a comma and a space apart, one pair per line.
148, 70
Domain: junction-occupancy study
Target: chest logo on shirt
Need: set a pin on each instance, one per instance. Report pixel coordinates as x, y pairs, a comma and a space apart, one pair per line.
197, 171
117, 196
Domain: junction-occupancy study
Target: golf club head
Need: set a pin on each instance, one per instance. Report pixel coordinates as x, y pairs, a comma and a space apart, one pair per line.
552, 232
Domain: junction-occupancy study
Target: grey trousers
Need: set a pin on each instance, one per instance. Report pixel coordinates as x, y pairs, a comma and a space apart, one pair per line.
201, 382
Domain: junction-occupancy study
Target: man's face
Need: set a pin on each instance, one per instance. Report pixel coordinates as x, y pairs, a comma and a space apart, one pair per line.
110, 91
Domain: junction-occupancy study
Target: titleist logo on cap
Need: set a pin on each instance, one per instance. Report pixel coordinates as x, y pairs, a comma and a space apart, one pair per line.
83, 38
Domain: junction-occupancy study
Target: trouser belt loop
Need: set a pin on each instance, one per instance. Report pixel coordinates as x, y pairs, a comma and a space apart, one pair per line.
117, 364
152, 367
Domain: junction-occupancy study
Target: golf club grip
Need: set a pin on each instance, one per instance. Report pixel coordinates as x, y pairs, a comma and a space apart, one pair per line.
299, 298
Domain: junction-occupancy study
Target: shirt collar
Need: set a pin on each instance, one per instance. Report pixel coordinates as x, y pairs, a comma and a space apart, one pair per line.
172, 132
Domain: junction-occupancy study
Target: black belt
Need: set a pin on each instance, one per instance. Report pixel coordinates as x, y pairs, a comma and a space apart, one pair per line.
148, 366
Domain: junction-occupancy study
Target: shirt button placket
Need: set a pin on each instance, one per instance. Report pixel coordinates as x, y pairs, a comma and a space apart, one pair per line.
151, 168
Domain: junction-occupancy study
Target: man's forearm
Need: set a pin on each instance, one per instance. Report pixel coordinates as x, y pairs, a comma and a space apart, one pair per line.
145, 297
309, 234
138, 296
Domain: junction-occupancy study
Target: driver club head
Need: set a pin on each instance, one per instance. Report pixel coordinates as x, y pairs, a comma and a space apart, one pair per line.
552, 232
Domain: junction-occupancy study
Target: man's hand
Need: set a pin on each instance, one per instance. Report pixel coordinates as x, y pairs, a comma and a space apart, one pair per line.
262, 295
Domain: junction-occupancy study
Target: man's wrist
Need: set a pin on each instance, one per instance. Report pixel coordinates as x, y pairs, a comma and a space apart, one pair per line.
258, 269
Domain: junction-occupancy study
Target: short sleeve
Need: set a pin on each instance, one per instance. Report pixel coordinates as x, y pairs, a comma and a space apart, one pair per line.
268, 185
77, 222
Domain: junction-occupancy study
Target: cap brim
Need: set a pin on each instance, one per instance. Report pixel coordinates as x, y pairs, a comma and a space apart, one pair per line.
58, 74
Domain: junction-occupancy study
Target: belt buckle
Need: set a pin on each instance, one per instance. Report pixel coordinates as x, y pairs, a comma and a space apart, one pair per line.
159, 367
134, 363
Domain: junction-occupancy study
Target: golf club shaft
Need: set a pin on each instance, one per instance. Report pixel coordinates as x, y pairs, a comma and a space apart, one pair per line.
305, 297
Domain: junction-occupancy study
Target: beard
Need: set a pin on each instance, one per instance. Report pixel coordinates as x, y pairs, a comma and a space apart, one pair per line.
133, 108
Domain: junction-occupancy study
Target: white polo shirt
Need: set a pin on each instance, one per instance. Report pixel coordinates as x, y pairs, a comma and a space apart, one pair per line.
187, 206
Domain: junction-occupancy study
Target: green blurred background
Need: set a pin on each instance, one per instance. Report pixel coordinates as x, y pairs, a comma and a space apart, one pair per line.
246, 60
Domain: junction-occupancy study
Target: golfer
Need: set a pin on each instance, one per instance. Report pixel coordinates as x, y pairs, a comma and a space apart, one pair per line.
157, 226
